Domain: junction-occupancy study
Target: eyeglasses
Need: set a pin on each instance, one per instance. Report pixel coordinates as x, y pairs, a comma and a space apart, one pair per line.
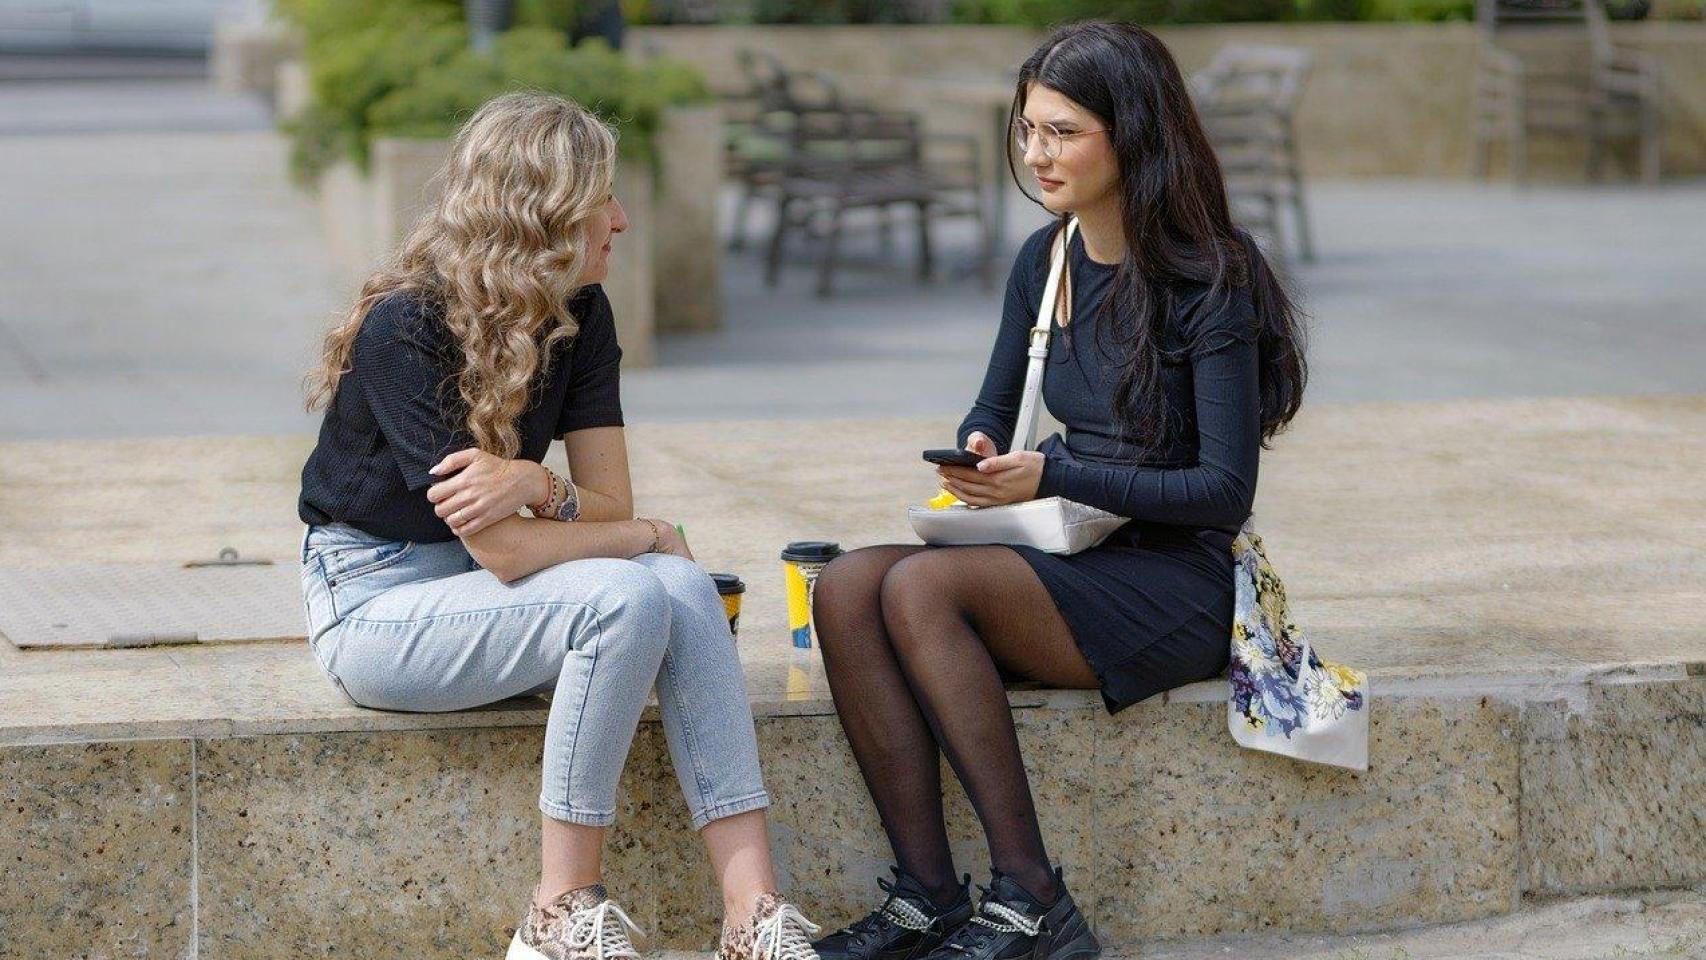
1051, 136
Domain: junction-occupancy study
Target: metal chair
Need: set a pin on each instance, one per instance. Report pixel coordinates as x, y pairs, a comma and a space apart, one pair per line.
1247, 98
849, 159
756, 131
825, 154
1624, 98
1517, 96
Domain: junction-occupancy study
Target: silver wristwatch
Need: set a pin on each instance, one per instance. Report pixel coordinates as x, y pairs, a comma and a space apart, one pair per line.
570, 508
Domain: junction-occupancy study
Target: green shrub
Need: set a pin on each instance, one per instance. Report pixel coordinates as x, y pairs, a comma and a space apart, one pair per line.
630, 95
408, 71
330, 20
1043, 13
985, 11
349, 73
1422, 10
1336, 9
557, 14
841, 11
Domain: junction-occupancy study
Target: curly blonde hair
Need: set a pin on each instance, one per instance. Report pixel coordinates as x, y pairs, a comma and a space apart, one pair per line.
500, 252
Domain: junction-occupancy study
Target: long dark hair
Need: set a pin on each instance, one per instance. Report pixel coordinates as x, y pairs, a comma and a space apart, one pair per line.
1178, 224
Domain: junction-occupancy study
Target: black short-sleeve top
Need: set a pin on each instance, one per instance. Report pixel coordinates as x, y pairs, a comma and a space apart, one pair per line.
396, 413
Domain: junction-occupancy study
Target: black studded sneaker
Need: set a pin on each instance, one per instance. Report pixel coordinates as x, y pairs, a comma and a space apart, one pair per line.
908, 925
1010, 923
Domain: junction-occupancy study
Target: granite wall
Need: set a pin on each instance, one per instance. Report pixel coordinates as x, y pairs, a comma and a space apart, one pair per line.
423, 842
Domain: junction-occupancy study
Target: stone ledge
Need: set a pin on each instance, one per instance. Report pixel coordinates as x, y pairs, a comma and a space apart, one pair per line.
273, 688
308, 842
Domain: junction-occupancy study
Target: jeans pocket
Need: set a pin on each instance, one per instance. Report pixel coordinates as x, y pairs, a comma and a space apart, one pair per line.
354, 566
343, 563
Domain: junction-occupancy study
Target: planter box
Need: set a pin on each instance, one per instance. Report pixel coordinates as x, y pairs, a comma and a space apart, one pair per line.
365, 216
291, 92
245, 55
690, 176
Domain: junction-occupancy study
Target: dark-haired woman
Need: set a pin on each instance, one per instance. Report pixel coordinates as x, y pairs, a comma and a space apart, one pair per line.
1180, 358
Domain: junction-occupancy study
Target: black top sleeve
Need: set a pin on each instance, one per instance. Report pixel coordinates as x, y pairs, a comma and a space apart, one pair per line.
996, 410
1220, 490
594, 397
403, 370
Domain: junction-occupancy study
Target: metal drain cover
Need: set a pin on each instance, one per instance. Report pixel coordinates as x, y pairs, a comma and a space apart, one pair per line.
138, 605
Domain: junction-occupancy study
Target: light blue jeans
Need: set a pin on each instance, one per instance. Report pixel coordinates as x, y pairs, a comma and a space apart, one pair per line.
399, 625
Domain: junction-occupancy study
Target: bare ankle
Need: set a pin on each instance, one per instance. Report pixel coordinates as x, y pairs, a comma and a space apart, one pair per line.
543, 899
739, 907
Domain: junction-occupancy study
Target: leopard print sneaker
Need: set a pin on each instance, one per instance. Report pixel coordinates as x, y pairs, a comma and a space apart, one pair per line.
582, 924
776, 930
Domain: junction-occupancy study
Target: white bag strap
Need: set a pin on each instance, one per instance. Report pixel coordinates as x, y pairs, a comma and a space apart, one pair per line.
1025, 428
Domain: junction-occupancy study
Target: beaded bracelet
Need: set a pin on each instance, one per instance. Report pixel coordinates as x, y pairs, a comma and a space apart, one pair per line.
559, 495
540, 509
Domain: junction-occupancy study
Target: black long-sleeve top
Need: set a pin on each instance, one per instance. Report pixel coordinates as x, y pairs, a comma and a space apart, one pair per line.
1202, 473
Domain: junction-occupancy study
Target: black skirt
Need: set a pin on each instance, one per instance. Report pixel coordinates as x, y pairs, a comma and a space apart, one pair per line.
1150, 608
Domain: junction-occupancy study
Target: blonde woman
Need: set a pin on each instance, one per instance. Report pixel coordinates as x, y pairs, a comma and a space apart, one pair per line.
426, 590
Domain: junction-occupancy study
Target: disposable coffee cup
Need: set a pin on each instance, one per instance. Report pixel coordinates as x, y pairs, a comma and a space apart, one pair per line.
732, 589
802, 561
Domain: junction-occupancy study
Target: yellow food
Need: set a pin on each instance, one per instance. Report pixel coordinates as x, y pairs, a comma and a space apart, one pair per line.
943, 501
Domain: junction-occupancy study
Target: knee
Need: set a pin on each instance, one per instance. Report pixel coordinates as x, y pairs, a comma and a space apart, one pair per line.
910, 595
681, 578
699, 631
901, 583
849, 583
846, 594
632, 604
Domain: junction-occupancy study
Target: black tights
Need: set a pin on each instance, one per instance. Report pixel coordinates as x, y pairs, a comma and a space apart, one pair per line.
914, 641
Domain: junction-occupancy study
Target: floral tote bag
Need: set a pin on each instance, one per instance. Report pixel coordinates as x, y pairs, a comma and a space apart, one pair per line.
1284, 698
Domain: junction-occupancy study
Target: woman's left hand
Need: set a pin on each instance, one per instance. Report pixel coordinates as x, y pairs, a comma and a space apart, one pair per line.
1009, 478
484, 489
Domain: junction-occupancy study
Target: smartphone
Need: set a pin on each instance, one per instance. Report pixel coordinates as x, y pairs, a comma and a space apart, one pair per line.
955, 458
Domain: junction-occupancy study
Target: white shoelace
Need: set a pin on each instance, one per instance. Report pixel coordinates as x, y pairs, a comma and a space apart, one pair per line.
592, 929
1016, 921
783, 936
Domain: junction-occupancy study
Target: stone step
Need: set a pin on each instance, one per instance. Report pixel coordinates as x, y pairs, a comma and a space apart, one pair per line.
1654, 925
420, 838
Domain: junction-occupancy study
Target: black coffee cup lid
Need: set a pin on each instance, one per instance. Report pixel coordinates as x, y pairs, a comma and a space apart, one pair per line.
729, 583
811, 551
